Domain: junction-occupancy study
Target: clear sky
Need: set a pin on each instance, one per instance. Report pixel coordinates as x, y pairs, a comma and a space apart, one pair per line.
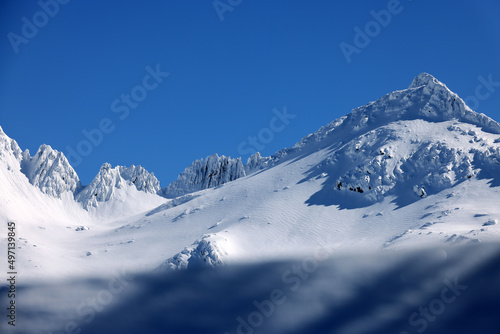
100, 67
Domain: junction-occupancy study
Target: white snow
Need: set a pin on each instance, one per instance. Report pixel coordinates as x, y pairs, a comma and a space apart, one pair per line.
50, 171
436, 290
415, 168
204, 174
116, 184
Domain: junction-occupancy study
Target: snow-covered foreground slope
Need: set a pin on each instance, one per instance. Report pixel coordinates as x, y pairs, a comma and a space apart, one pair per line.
433, 291
413, 169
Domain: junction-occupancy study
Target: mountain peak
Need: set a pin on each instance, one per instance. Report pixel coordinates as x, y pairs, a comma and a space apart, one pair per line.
106, 166
424, 79
104, 186
50, 171
9, 147
215, 170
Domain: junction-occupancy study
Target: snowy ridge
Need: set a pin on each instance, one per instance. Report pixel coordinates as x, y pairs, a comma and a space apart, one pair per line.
414, 168
426, 98
105, 185
203, 174
128, 189
141, 178
9, 149
50, 171
39, 207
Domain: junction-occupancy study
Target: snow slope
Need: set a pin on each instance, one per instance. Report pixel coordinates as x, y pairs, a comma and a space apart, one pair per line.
415, 168
425, 291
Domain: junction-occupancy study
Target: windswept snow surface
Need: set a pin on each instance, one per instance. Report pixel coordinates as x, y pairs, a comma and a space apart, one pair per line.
415, 168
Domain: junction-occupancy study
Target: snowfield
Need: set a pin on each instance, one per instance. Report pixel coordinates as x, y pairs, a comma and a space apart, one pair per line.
415, 172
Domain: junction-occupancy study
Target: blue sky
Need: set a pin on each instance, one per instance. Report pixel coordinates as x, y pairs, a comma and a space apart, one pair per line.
87, 67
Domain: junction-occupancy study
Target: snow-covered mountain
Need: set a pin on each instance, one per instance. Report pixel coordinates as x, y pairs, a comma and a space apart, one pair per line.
109, 181
204, 174
416, 167
426, 99
9, 151
50, 171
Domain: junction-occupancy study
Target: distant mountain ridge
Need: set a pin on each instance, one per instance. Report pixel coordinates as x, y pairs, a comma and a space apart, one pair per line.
206, 173
415, 167
426, 99
108, 180
50, 172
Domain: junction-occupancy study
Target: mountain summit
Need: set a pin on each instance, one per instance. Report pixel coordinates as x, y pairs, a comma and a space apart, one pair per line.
50, 171
424, 79
107, 184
